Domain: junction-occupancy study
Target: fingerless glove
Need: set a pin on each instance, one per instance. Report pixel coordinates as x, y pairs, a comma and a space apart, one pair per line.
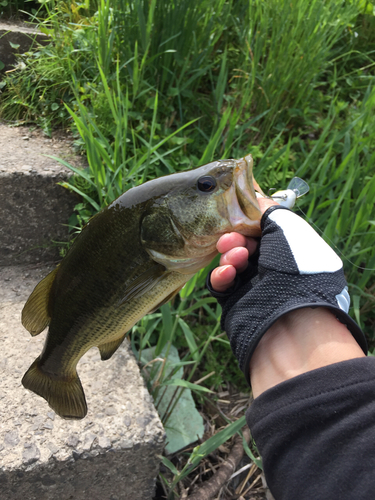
293, 269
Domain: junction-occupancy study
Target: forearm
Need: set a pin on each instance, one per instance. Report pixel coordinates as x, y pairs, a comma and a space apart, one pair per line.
300, 341
316, 433
313, 414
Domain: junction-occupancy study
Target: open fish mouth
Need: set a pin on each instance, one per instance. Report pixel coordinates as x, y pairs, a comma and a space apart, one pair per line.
243, 209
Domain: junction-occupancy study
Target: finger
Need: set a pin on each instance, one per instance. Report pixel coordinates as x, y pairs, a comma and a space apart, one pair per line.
265, 203
229, 241
237, 257
222, 278
233, 240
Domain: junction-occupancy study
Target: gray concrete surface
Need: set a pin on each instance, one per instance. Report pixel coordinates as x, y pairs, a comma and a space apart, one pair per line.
23, 35
34, 209
109, 455
112, 454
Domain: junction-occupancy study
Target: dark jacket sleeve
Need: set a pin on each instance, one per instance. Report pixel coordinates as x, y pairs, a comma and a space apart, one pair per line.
316, 433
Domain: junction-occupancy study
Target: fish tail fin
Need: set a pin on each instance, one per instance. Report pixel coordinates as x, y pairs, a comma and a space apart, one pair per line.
64, 395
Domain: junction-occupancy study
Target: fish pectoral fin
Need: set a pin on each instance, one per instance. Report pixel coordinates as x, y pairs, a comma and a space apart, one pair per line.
35, 315
106, 350
145, 282
64, 395
167, 299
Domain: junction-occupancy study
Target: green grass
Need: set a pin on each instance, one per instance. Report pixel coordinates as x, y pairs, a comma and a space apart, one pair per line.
151, 87
21, 9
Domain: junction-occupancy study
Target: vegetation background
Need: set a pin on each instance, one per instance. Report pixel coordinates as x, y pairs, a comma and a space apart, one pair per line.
151, 87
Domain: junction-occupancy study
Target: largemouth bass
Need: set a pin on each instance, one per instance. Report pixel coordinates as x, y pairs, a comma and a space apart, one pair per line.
131, 258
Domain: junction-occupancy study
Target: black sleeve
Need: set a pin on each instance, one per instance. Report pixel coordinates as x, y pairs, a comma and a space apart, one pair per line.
316, 433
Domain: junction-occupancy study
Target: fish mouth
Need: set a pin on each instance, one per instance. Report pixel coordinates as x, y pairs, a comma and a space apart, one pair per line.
243, 208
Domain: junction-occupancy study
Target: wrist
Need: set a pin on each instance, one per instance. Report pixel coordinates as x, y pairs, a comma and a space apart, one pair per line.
298, 342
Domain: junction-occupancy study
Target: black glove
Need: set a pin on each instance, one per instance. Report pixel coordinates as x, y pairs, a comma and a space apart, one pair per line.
294, 268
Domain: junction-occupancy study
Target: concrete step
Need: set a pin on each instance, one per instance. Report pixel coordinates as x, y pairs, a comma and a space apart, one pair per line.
23, 36
34, 209
112, 454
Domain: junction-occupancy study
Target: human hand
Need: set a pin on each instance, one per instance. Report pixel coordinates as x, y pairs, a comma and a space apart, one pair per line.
236, 250
295, 269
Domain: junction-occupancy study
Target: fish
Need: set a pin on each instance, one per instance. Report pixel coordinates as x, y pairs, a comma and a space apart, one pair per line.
132, 257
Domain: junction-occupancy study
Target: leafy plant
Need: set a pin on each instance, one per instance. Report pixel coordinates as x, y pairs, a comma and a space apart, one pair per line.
201, 452
13, 8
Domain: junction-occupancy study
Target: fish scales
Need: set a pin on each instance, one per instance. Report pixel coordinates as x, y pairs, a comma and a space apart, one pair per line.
129, 259
118, 324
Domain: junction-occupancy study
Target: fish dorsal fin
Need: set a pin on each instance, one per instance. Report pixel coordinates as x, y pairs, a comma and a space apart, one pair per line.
106, 350
145, 282
35, 315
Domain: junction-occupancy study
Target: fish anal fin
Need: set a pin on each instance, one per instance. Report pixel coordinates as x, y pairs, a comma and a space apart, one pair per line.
64, 395
108, 349
143, 283
35, 315
166, 299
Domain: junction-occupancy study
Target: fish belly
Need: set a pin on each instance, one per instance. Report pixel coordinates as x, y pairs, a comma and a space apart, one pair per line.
111, 323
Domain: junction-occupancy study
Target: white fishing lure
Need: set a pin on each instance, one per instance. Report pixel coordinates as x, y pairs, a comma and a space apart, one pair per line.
287, 198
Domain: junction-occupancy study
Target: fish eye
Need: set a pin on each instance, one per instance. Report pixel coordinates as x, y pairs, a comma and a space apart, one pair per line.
206, 184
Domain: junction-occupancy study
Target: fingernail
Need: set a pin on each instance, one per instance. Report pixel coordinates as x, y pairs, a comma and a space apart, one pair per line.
223, 268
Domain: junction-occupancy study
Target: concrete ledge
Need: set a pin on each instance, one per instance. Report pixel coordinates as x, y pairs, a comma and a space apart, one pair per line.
34, 209
109, 455
21, 34
112, 454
